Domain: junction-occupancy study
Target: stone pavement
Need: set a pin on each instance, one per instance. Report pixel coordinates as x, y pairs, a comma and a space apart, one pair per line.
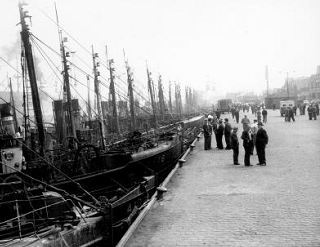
211, 202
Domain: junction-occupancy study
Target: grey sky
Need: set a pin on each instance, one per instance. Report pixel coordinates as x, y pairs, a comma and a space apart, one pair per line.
189, 41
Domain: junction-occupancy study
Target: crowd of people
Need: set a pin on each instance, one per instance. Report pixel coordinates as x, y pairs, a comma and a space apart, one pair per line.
254, 136
312, 110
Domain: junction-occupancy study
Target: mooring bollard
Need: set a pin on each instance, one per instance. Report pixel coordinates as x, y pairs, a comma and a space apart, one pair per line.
192, 146
198, 137
181, 161
160, 191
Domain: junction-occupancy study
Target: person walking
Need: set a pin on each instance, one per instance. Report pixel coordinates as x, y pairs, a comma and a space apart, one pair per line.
259, 114
245, 123
314, 112
207, 132
310, 112
264, 115
235, 145
247, 144
291, 114
219, 134
227, 133
232, 111
294, 109
261, 142
236, 114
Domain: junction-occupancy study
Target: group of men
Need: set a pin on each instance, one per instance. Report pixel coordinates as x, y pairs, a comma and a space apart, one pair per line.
253, 136
216, 126
313, 111
290, 112
260, 112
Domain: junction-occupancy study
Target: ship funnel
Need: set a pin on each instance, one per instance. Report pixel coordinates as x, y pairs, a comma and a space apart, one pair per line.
6, 119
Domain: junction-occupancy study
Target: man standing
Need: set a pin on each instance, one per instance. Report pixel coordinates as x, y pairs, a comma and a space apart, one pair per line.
235, 145
232, 111
291, 114
236, 114
247, 144
264, 115
245, 123
314, 112
219, 134
254, 130
207, 132
227, 133
261, 142
259, 114
310, 112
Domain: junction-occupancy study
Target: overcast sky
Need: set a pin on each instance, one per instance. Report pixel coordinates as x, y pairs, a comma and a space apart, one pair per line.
227, 43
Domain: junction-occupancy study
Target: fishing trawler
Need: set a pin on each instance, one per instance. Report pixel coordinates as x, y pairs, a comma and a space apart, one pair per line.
90, 191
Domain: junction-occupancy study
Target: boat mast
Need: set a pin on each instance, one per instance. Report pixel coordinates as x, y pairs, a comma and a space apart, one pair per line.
161, 98
130, 93
89, 102
96, 73
25, 35
151, 91
15, 120
170, 101
66, 89
113, 95
25, 118
178, 100
66, 80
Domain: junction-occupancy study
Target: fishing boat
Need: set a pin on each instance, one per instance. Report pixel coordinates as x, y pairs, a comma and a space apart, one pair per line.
88, 193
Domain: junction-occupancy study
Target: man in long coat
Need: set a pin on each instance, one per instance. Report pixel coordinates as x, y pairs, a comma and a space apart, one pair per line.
247, 144
219, 134
236, 114
207, 132
245, 123
235, 145
227, 133
261, 142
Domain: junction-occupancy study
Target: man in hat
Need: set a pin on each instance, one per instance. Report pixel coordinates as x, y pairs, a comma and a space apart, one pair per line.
247, 144
219, 134
264, 115
227, 133
261, 142
235, 145
245, 123
207, 132
236, 114
254, 130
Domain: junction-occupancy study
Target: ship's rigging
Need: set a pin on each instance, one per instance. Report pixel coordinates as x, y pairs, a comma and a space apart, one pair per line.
114, 180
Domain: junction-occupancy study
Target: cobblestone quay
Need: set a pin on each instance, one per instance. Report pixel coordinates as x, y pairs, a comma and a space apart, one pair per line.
211, 202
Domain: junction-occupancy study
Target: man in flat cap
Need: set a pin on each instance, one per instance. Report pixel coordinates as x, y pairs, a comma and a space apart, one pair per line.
261, 142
